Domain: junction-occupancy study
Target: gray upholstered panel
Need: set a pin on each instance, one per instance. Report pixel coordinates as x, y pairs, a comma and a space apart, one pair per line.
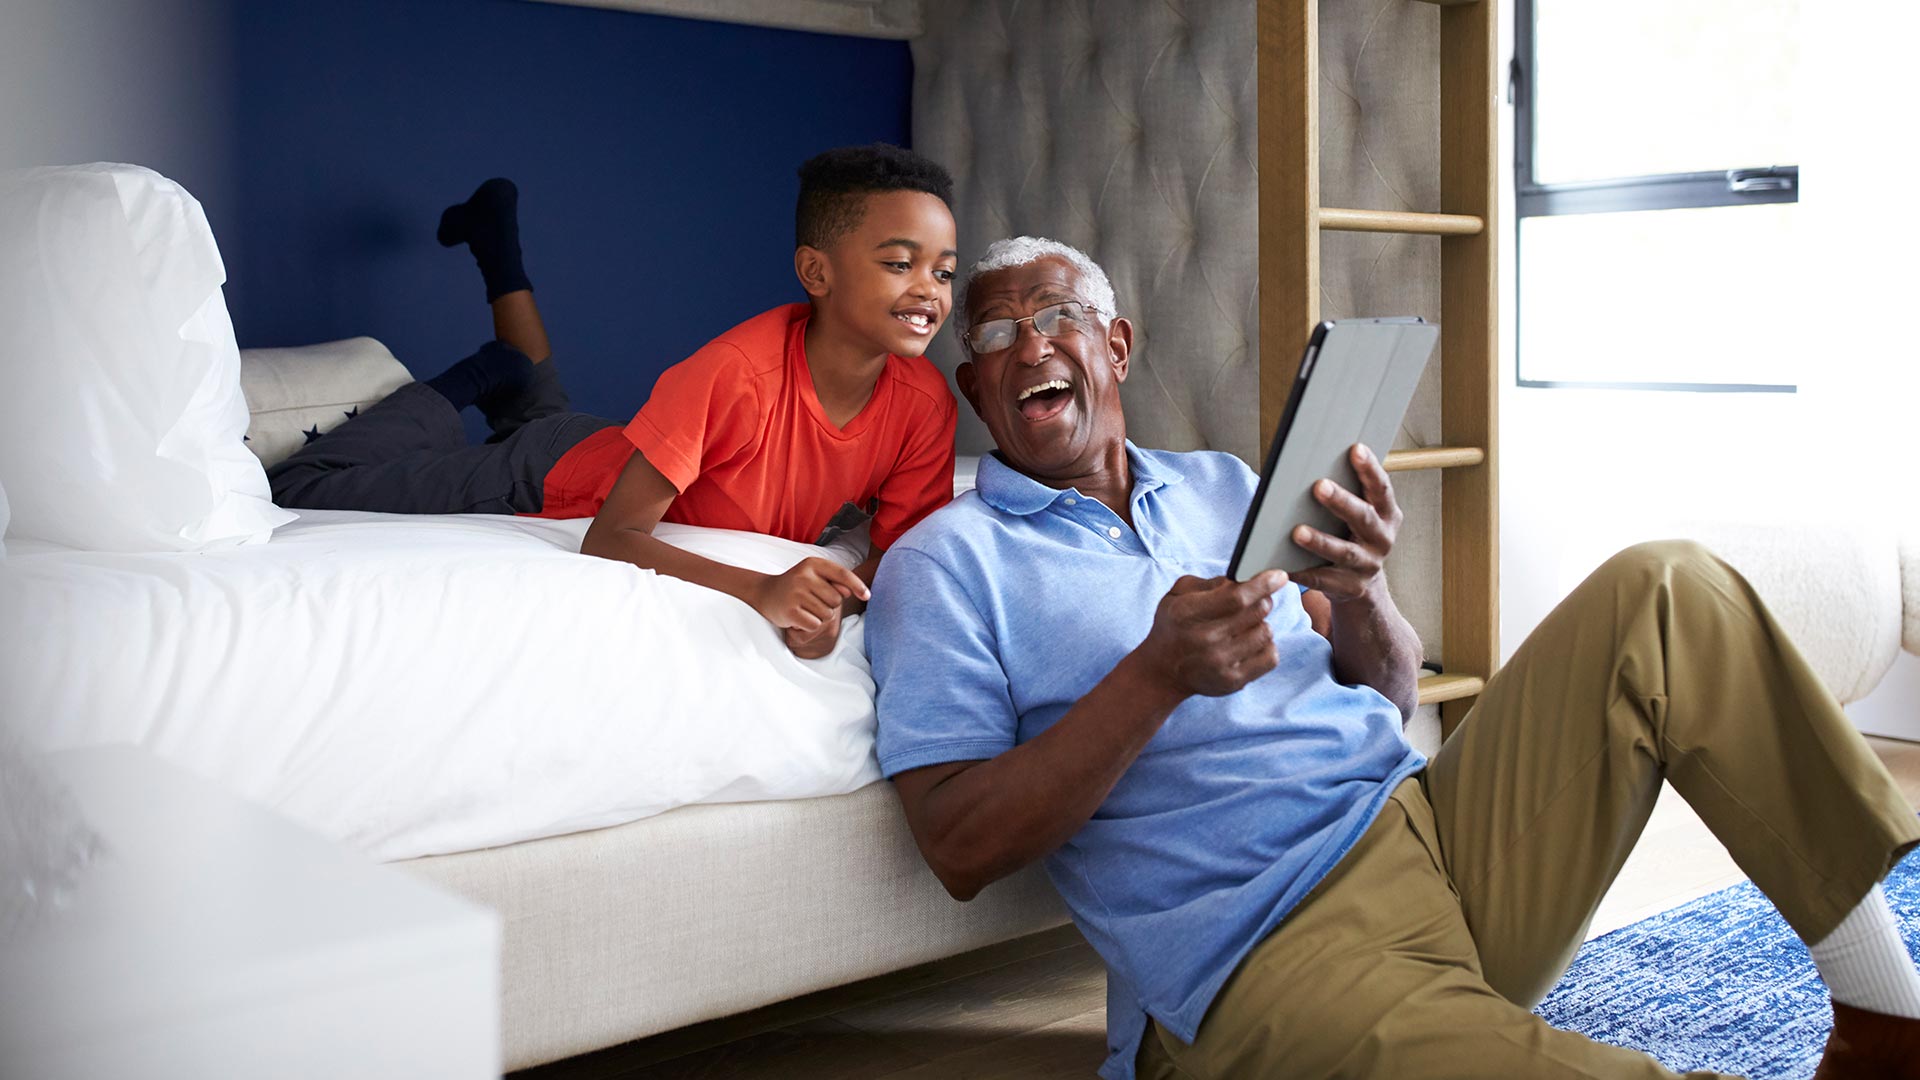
1127, 128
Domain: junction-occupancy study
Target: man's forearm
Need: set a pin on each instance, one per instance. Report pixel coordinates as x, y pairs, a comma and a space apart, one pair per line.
996, 817
1374, 645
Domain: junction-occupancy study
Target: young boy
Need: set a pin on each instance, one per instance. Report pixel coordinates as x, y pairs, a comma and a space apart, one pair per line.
800, 422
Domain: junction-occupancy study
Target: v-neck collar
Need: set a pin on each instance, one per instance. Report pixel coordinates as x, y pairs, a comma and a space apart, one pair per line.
802, 376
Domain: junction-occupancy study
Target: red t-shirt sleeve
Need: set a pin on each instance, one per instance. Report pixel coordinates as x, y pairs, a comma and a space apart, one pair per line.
922, 482
703, 410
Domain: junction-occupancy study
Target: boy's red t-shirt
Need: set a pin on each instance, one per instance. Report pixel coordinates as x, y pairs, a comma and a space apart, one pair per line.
737, 428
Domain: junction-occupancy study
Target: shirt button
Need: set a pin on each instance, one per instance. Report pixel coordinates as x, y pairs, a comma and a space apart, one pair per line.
1070, 501
1113, 531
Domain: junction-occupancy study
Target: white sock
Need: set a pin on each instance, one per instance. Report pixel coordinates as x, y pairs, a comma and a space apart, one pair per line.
1866, 965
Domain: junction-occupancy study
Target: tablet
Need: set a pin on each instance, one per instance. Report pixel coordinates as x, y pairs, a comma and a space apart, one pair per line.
1356, 380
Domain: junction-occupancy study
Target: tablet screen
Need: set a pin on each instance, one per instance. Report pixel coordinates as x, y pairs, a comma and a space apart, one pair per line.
1356, 380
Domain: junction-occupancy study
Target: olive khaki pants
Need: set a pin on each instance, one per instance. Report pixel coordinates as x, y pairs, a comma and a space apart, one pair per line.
1421, 954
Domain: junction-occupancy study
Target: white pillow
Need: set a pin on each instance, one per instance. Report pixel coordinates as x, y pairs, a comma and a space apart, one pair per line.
312, 388
966, 470
121, 424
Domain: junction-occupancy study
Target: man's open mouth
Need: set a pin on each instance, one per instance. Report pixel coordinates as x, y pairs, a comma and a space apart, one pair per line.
1043, 400
920, 321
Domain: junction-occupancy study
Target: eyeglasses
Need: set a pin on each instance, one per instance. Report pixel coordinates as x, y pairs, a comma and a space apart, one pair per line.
1070, 316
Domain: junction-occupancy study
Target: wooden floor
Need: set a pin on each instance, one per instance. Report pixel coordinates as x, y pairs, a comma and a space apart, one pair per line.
1035, 1008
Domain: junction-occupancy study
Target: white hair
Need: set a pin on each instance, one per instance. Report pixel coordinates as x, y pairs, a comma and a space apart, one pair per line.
1021, 250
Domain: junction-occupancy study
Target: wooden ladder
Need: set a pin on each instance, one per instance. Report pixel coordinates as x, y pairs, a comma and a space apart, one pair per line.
1291, 220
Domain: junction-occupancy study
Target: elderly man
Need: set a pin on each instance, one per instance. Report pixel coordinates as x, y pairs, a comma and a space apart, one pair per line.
1215, 776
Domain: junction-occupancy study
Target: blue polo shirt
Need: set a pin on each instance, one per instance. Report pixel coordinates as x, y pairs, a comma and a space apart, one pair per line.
994, 615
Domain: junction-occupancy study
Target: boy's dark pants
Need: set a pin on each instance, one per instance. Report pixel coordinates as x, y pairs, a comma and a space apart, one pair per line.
1421, 953
408, 454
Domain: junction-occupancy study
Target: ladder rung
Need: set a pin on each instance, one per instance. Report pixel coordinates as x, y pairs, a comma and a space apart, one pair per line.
1449, 687
1434, 457
1399, 221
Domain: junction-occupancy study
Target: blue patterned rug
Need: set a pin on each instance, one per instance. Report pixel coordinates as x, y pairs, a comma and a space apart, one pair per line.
1720, 983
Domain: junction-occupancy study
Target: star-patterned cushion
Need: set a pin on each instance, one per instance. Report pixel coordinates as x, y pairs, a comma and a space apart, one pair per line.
297, 395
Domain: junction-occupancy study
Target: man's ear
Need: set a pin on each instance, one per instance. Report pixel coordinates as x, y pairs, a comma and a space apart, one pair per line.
969, 381
1120, 343
810, 265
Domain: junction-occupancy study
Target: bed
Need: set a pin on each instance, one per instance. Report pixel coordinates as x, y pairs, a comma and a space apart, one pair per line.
349, 674
662, 848
634, 907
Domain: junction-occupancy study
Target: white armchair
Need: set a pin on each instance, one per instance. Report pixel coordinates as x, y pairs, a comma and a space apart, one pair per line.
1910, 590
1848, 596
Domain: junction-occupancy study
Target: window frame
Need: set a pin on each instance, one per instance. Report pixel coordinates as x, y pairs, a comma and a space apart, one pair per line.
1742, 186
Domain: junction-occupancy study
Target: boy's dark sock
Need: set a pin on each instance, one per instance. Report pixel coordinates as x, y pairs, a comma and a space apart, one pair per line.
498, 372
489, 224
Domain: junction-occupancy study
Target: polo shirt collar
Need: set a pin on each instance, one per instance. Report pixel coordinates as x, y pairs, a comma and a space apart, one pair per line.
1010, 491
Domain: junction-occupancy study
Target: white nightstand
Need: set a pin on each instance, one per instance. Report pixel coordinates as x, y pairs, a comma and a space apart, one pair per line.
214, 938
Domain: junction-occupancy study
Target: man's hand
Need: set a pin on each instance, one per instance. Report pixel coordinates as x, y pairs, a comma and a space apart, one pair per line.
1357, 565
814, 644
807, 597
1211, 637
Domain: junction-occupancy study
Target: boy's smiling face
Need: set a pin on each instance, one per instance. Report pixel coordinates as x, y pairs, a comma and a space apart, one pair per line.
886, 283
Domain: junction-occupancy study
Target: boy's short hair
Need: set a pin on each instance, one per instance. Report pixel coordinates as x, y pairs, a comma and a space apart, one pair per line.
834, 185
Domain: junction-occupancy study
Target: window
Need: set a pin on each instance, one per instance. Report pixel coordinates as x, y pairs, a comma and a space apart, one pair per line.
1656, 191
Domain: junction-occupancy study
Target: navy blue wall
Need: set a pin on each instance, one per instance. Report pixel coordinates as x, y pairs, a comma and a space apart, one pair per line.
655, 158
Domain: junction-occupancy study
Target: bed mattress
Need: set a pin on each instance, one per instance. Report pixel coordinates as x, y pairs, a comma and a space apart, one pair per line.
412, 686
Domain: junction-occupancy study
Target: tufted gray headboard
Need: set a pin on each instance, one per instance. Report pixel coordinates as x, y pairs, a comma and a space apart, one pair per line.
1127, 128
1122, 129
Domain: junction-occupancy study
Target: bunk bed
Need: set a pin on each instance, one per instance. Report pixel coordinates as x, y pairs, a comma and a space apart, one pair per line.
1242, 170
1361, 140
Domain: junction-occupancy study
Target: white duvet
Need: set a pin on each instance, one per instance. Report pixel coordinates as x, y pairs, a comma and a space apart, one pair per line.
411, 685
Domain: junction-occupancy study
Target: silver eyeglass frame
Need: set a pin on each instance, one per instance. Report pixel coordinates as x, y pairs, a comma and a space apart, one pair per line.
966, 336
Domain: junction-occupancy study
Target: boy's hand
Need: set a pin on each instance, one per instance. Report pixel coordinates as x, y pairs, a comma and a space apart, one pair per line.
1211, 637
812, 645
808, 596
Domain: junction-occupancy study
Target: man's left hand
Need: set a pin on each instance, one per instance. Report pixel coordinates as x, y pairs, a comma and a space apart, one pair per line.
814, 644
1358, 566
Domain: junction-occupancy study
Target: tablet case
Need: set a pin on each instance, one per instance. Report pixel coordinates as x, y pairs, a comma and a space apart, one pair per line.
1356, 379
